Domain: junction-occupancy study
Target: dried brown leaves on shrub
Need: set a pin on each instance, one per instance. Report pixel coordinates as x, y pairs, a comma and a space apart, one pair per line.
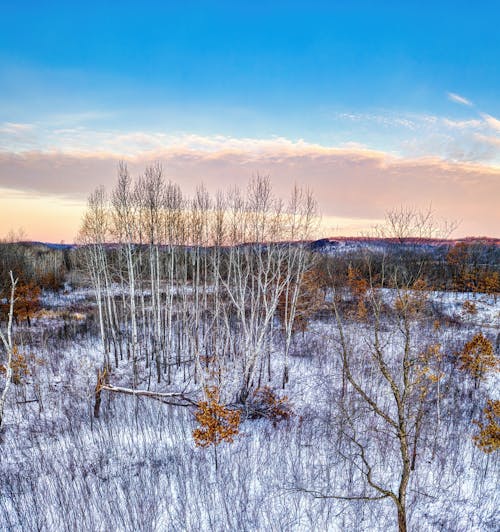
265, 403
488, 439
217, 423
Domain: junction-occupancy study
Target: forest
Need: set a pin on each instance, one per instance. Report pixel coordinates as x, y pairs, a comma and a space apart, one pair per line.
203, 363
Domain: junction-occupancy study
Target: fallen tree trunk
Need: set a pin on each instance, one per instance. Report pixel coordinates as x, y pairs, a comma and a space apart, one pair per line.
179, 398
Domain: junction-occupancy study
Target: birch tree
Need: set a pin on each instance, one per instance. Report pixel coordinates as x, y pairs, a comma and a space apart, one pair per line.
124, 223
301, 221
151, 198
8, 343
93, 236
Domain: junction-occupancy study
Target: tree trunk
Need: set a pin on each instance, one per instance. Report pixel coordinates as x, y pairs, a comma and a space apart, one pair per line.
401, 518
9, 347
97, 404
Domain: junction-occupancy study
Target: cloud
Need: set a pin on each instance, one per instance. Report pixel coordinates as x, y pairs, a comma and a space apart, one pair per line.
388, 120
349, 182
420, 135
15, 128
473, 123
407, 134
18, 136
492, 122
495, 141
452, 96
413, 121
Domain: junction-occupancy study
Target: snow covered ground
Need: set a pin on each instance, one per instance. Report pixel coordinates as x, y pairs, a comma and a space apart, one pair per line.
137, 468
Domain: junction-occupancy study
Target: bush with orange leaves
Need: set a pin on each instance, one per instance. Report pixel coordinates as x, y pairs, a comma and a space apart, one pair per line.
356, 282
478, 358
27, 302
488, 439
469, 271
265, 403
19, 366
217, 422
52, 280
489, 283
470, 308
411, 301
358, 286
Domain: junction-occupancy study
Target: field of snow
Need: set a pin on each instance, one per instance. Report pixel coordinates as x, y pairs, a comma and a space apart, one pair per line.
137, 468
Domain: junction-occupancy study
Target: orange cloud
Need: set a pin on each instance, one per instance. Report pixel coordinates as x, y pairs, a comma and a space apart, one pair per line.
353, 184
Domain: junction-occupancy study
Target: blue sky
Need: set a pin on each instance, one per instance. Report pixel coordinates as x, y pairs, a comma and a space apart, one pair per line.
235, 68
409, 79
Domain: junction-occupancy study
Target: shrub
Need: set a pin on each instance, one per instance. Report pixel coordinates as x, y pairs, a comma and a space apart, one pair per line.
266, 404
478, 358
488, 439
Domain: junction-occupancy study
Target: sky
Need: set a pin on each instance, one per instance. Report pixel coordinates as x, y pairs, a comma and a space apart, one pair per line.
372, 105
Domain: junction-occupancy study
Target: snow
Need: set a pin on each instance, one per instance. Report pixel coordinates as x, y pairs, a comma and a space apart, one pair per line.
137, 468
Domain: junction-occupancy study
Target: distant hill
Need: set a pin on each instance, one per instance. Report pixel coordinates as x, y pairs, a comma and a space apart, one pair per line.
338, 244
349, 244
49, 245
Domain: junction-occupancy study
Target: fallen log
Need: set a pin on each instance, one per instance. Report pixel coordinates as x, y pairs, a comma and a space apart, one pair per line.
169, 398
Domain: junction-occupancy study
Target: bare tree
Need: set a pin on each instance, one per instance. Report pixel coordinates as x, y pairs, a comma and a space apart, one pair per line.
388, 376
124, 225
215, 272
301, 221
93, 236
151, 198
407, 222
398, 412
8, 344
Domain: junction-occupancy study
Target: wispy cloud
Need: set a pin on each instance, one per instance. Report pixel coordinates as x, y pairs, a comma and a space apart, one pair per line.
473, 123
412, 121
15, 128
423, 135
492, 122
18, 136
454, 97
